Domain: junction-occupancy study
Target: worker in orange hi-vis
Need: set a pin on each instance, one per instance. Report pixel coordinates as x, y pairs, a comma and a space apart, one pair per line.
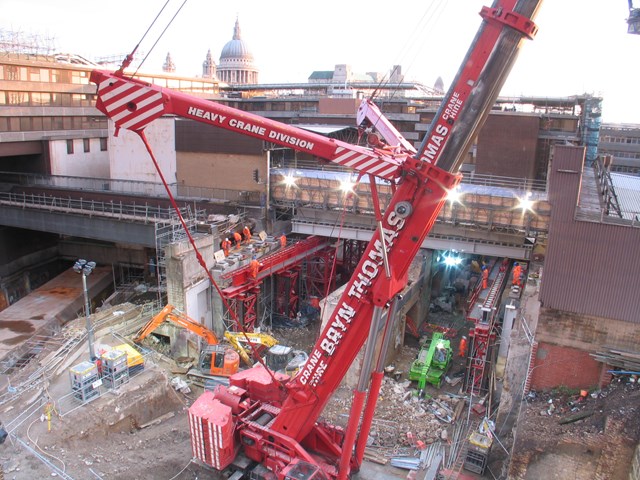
462, 349
255, 267
226, 246
247, 234
516, 271
485, 277
238, 239
283, 240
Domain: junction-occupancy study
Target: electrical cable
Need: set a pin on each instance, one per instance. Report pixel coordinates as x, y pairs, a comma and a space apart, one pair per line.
64, 467
129, 58
185, 467
335, 256
431, 15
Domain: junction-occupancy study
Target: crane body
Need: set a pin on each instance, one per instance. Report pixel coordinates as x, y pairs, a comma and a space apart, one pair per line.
273, 420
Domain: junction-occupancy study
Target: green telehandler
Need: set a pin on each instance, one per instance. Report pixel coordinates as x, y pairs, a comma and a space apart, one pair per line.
432, 363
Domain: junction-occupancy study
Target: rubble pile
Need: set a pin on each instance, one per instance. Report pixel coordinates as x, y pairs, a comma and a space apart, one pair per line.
403, 421
583, 413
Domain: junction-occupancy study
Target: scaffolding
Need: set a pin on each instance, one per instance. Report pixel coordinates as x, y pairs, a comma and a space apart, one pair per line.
483, 336
167, 232
591, 120
21, 43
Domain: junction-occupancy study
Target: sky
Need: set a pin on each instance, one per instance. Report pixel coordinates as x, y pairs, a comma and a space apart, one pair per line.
582, 46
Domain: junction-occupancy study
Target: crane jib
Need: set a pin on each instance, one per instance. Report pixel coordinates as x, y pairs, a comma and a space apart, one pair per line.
440, 134
370, 268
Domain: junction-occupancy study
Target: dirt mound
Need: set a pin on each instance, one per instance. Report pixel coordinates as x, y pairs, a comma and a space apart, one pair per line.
578, 436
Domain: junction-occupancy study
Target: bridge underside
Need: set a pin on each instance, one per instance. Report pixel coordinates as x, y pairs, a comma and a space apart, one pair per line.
308, 221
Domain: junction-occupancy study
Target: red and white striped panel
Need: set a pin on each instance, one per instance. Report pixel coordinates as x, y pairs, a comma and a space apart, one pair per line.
366, 163
212, 430
130, 105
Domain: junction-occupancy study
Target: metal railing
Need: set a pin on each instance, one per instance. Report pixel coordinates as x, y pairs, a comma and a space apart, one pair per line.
91, 208
132, 187
512, 183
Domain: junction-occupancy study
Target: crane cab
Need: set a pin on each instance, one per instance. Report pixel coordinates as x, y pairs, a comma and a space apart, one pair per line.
220, 360
299, 469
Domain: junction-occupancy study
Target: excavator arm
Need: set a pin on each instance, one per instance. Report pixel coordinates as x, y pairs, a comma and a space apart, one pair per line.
171, 314
236, 339
259, 341
274, 421
153, 324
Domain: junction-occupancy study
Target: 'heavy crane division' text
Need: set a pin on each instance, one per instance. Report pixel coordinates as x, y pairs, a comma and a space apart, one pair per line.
258, 130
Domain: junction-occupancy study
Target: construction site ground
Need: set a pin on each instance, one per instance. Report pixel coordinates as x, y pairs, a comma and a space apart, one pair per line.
140, 430
564, 435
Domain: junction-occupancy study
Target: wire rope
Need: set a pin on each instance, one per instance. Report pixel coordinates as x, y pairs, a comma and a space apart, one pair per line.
161, 34
430, 17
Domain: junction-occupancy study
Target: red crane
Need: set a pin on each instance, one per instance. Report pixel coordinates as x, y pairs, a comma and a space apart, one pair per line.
274, 421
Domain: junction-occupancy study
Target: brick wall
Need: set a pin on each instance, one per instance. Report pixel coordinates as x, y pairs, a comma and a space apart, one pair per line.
566, 341
556, 366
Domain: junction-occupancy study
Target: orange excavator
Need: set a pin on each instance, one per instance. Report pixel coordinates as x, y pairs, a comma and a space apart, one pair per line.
215, 358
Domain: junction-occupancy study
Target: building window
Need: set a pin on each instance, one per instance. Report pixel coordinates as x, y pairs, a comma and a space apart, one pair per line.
11, 73
103, 144
69, 147
18, 98
87, 144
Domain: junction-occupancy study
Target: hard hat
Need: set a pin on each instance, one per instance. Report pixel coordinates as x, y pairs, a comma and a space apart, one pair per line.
464, 337
254, 257
516, 264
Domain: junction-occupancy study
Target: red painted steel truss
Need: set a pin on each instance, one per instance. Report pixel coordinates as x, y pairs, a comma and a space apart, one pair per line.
287, 293
284, 265
482, 338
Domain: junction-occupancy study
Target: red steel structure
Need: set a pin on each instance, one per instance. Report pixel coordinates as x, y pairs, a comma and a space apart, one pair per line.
284, 264
272, 420
287, 294
483, 336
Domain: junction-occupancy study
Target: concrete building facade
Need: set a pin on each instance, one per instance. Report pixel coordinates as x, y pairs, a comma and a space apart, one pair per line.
622, 142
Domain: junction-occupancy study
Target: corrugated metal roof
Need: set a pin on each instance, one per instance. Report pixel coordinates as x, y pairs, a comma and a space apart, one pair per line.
591, 268
627, 188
